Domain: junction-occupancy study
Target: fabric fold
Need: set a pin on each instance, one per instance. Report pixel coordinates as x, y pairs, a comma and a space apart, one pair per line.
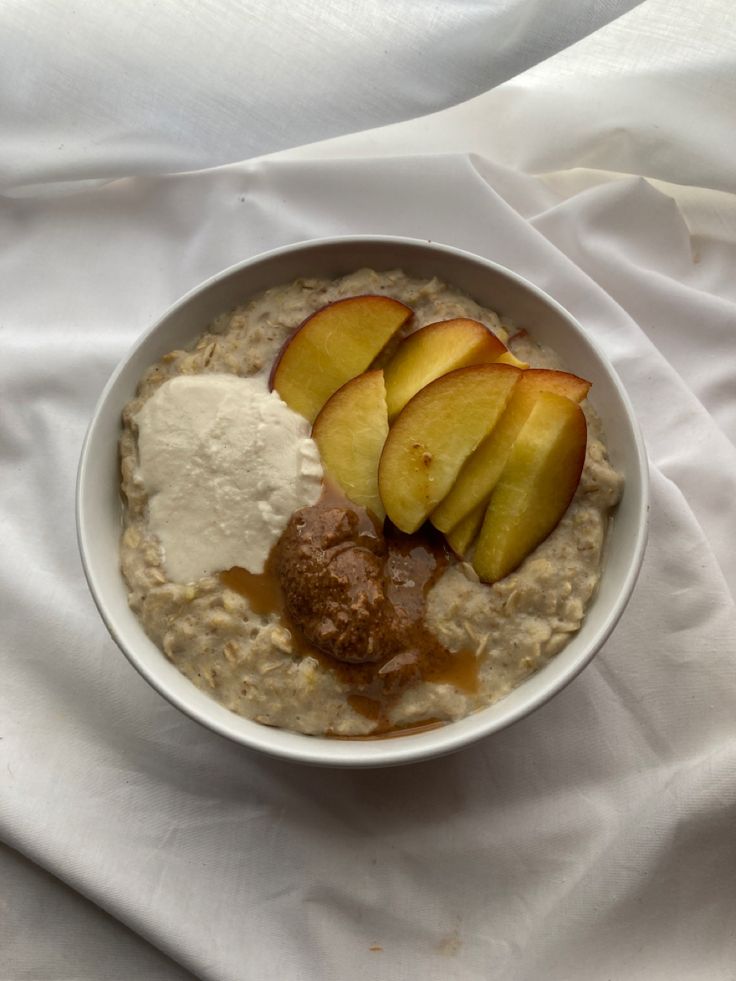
532, 852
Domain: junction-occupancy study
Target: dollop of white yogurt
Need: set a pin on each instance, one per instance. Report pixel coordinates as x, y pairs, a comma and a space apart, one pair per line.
225, 464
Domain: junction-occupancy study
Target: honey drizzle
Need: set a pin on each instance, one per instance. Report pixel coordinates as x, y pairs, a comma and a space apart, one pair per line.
414, 563
262, 591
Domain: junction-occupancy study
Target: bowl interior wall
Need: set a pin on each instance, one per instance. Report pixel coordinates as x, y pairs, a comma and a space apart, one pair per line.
99, 508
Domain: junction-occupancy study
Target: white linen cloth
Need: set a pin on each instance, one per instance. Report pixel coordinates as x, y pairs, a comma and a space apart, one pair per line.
594, 839
93, 89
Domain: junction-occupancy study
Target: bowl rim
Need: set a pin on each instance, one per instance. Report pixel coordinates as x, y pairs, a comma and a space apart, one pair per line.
361, 752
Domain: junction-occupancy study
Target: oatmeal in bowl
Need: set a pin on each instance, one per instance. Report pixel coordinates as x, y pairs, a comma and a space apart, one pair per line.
369, 489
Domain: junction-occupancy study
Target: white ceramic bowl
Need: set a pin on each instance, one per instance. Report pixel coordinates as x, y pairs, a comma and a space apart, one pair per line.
99, 508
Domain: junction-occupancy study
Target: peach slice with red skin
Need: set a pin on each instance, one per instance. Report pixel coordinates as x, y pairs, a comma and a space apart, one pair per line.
333, 345
480, 472
435, 350
350, 431
433, 436
559, 382
535, 488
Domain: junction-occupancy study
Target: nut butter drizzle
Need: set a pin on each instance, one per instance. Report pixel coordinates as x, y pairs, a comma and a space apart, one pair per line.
413, 564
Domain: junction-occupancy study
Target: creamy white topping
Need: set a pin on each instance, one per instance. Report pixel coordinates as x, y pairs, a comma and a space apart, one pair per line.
225, 464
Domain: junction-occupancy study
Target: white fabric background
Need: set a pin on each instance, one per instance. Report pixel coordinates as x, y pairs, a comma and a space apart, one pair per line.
94, 89
593, 840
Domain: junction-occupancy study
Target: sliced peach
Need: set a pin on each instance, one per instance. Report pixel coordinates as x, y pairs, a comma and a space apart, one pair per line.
535, 488
433, 351
478, 476
350, 431
332, 346
435, 433
464, 533
560, 382
508, 357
